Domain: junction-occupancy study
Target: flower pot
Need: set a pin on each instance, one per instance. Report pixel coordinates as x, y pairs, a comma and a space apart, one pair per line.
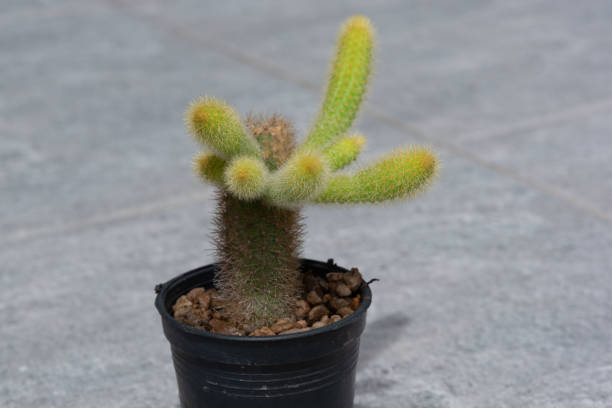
310, 369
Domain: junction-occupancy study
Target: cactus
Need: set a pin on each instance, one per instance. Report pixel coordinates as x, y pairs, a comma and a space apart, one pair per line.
264, 179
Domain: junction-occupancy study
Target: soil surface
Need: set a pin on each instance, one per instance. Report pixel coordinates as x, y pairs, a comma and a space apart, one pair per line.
324, 301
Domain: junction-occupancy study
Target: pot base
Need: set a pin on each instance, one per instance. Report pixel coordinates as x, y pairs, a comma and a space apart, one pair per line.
303, 370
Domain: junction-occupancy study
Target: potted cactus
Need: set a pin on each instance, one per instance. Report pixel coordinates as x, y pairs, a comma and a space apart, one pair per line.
262, 327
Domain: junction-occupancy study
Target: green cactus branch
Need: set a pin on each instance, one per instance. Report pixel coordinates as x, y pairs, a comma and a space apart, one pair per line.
217, 126
209, 168
399, 174
347, 82
246, 177
344, 151
301, 178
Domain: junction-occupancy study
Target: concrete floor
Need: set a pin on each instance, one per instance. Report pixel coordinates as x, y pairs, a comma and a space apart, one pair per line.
495, 286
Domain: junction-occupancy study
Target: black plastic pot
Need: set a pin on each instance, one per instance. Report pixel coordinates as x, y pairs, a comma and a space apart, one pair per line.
314, 369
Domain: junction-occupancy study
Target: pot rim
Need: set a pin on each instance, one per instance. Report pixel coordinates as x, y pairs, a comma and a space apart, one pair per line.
366, 300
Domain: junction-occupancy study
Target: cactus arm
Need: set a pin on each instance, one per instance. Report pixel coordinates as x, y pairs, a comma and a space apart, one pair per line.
347, 82
245, 177
400, 174
302, 177
216, 125
344, 151
209, 168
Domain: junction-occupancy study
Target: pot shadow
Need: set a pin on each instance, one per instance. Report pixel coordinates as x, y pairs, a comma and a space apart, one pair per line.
379, 336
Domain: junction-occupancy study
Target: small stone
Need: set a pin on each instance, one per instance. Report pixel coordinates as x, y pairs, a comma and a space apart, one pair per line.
217, 315
317, 325
203, 326
203, 300
355, 302
282, 325
295, 330
182, 302
338, 303
309, 281
203, 314
317, 312
335, 318
222, 327
321, 323
326, 297
263, 331
300, 324
183, 310
215, 298
194, 293
343, 290
353, 279
313, 298
302, 309
332, 286
334, 276
185, 315
324, 284
345, 311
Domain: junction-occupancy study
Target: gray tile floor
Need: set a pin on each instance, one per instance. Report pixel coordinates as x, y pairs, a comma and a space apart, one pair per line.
495, 286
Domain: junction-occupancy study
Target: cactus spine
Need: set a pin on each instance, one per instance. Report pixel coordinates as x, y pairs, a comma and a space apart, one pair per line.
265, 179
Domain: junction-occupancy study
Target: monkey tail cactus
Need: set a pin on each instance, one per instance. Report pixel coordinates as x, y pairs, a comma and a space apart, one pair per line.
265, 178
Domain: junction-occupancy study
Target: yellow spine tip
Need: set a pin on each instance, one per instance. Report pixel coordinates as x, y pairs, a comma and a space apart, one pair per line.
311, 165
358, 22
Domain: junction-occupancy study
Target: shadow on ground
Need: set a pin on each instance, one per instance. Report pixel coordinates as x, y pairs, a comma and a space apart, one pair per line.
379, 336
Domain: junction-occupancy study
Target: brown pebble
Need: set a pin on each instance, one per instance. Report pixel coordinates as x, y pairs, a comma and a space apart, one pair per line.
215, 298
326, 297
194, 293
222, 327
323, 322
334, 276
324, 284
343, 290
353, 279
300, 324
317, 312
203, 300
217, 315
295, 330
313, 298
203, 326
337, 303
263, 331
309, 281
205, 314
335, 318
302, 309
345, 311
355, 302
332, 286
185, 315
282, 325
182, 302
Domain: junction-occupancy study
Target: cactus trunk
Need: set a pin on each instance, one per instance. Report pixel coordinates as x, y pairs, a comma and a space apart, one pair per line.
258, 247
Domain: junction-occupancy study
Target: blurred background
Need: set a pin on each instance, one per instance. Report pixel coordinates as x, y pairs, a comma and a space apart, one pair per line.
495, 285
